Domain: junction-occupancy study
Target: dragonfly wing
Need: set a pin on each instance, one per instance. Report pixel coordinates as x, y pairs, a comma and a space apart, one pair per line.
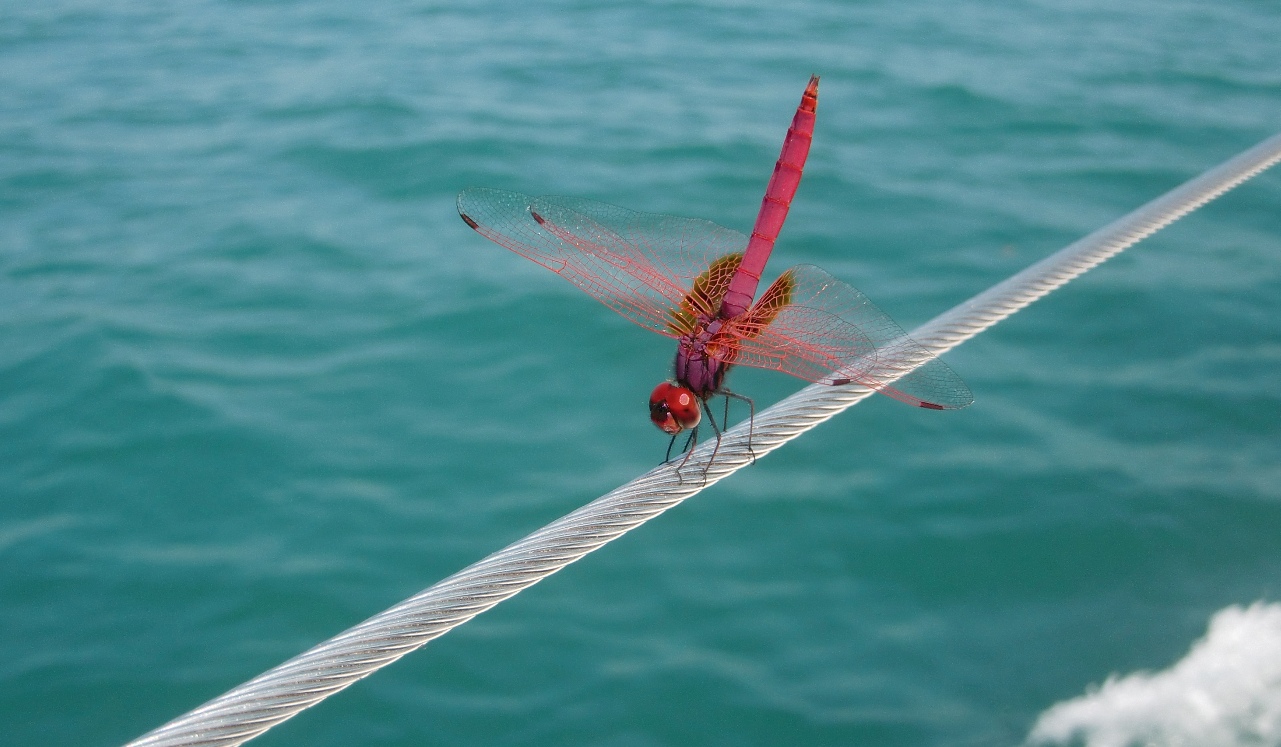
642, 265
680, 258
818, 328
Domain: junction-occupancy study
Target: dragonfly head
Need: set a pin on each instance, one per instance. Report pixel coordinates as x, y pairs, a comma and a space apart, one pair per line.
673, 408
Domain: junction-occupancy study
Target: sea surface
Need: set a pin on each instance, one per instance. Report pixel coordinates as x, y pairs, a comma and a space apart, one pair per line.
258, 382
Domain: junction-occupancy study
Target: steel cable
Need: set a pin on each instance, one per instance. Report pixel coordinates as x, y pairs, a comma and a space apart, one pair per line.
254, 707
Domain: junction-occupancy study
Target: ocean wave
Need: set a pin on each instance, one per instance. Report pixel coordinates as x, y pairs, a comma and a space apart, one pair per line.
1225, 691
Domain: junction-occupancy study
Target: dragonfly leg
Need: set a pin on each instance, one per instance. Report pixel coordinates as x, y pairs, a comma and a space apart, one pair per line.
688, 450
751, 417
711, 418
690, 441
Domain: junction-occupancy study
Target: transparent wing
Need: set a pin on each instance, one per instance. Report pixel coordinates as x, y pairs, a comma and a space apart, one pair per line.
811, 325
656, 270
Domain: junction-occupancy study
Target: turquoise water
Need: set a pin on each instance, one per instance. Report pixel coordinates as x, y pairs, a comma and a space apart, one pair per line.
259, 382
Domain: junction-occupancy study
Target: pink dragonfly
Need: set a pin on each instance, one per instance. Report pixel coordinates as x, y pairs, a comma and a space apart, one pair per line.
694, 281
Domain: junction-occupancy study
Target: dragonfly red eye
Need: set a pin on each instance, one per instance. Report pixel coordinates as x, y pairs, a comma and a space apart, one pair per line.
673, 408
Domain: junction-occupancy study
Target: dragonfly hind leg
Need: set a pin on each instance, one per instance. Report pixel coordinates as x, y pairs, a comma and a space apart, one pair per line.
711, 418
751, 418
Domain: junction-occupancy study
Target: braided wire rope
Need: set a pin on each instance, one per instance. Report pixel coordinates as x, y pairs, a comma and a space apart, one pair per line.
278, 694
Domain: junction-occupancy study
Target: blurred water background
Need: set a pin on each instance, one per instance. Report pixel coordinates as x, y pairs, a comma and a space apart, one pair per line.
259, 382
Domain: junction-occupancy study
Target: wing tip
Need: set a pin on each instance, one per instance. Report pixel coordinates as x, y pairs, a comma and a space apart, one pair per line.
959, 404
467, 219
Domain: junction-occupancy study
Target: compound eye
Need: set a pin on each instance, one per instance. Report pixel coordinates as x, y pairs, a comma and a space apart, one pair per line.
673, 408
659, 413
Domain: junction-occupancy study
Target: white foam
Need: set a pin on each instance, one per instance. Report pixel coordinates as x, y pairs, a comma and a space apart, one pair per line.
1226, 691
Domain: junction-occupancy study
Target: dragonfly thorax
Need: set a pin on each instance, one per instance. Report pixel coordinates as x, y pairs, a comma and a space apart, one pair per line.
696, 368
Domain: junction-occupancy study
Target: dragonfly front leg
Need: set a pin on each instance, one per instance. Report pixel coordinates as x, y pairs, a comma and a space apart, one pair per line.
670, 444
688, 449
690, 441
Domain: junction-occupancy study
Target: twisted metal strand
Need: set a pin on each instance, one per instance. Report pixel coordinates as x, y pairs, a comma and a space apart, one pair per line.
261, 703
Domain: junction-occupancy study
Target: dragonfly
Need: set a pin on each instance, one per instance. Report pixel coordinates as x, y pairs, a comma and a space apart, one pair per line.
695, 281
